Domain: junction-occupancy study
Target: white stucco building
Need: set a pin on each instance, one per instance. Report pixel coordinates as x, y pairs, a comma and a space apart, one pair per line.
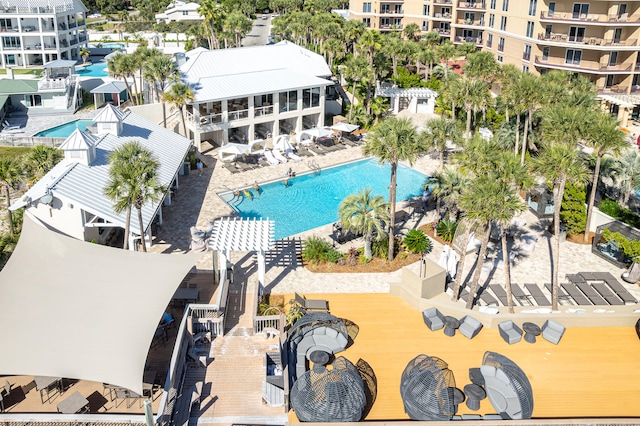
178, 11
35, 32
254, 92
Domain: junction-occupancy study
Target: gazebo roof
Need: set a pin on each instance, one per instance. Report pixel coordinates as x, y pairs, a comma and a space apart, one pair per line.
60, 63
240, 234
110, 87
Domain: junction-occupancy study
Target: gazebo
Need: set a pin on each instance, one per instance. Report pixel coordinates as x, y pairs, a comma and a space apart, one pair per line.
243, 235
113, 91
60, 68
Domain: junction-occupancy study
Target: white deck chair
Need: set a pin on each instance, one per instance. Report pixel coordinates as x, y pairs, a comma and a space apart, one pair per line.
270, 158
293, 156
278, 156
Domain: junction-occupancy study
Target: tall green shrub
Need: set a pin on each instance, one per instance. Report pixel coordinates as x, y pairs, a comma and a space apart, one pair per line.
573, 212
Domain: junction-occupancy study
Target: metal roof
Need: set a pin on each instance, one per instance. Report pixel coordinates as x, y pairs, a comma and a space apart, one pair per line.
241, 65
60, 63
9, 86
84, 185
240, 234
79, 140
111, 87
253, 83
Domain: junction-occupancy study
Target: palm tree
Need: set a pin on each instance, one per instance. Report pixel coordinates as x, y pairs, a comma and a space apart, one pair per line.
370, 41
559, 162
426, 55
238, 24
439, 132
529, 93
84, 54
625, 172
10, 176
356, 69
446, 51
447, 187
351, 31
379, 106
213, 16
116, 68
411, 32
364, 214
394, 140
40, 160
606, 139
178, 95
161, 69
474, 94
133, 182
481, 65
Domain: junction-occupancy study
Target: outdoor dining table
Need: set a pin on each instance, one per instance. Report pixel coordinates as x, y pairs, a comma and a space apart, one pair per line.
531, 330
187, 295
44, 383
73, 403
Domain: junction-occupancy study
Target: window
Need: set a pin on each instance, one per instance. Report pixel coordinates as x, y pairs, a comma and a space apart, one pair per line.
492, 5
529, 29
610, 80
613, 59
505, 5
503, 23
366, 7
367, 22
469, 17
11, 42
385, 22
527, 52
525, 69
499, 58
397, 22
5, 24
425, 10
552, 9
576, 34
33, 100
492, 17
489, 40
397, 8
385, 8
533, 5
501, 44
580, 10
545, 53
573, 57
185, 13
446, 12
311, 97
425, 25
288, 100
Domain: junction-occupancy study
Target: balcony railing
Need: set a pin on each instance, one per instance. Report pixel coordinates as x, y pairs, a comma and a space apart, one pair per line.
238, 115
526, 56
588, 17
49, 84
391, 26
596, 41
442, 1
442, 32
37, 10
442, 16
488, 43
471, 5
584, 65
392, 12
612, 89
461, 39
204, 119
500, 48
477, 22
260, 111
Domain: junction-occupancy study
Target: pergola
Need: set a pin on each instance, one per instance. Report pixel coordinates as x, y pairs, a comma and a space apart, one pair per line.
242, 235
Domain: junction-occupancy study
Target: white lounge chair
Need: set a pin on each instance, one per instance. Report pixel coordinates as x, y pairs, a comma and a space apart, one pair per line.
278, 156
7, 126
293, 156
270, 158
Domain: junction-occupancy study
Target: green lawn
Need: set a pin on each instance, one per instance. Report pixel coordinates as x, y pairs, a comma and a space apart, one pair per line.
13, 152
22, 71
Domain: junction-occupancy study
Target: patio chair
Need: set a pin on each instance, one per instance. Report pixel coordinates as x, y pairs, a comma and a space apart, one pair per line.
278, 156
538, 295
552, 331
510, 332
469, 326
293, 155
312, 304
270, 158
500, 293
433, 319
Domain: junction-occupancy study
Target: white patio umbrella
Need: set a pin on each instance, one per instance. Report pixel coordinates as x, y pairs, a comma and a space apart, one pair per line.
318, 132
232, 150
452, 263
345, 127
444, 257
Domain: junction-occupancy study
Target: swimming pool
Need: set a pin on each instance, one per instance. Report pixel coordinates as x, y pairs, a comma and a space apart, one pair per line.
64, 130
106, 46
312, 200
99, 69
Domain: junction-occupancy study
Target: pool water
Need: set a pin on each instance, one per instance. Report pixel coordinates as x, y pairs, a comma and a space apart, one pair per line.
106, 46
64, 130
312, 200
98, 69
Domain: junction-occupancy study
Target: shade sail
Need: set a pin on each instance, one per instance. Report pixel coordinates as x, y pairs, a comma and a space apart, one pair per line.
78, 310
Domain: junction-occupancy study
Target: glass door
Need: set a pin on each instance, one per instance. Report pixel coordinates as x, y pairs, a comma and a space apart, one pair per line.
552, 9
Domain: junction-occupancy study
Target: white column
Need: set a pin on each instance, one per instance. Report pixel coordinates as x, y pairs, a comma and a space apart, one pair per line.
396, 104
222, 266
261, 269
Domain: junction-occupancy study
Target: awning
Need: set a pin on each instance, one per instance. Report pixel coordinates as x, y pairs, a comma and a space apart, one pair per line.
83, 311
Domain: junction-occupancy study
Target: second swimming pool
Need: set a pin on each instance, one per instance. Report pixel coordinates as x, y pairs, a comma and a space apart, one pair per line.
64, 130
98, 69
312, 200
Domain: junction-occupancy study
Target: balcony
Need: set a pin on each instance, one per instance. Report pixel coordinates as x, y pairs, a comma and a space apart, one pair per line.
391, 27
593, 41
52, 84
472, 5
469, 22
260, 111
204, 119
392, 12
595, 18
436, 2
592, 67
476, 40
442, 16
443, 33
238, 115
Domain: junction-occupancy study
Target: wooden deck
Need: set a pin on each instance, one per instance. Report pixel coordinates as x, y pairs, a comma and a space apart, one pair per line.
593, 372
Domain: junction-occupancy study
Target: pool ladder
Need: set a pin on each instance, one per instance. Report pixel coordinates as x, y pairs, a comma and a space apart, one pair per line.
314, 167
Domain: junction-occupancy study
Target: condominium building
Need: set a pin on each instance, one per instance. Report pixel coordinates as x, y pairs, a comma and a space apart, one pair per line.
598, 39
35, 32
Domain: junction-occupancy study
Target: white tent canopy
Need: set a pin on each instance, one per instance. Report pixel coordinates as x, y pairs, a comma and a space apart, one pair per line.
230, 151
345, 127
83, 311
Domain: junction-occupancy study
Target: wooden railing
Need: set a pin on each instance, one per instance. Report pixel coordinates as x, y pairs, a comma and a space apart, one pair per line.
272, 321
